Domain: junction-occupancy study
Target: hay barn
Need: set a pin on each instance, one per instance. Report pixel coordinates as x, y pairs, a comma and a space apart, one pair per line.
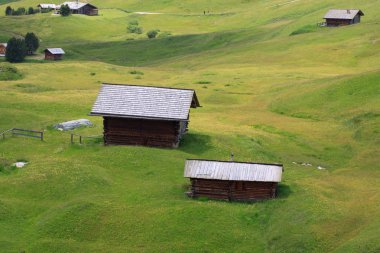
82, 8
343, 17
233, 181
54, 54
144, 115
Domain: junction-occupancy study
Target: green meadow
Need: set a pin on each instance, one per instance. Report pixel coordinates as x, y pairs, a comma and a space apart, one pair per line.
273, 87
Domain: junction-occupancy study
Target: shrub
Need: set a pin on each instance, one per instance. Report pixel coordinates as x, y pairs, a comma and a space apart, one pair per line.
32, 43
152, 34
65, 10
133, 27
16, 50
30, 11
9, 72
8, 11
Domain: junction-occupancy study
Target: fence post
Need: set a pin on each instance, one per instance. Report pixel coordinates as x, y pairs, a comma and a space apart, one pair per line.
42, 136
72, 138
80, 139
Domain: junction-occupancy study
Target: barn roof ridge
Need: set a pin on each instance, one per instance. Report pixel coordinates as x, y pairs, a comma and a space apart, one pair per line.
233, 171
223, 161
148, 86
343, 13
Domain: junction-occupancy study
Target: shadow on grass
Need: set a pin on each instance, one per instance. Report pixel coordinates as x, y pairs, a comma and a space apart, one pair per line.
284, 191
194, 143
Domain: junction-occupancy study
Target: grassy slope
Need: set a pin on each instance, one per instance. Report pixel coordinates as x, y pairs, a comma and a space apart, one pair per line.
273, 98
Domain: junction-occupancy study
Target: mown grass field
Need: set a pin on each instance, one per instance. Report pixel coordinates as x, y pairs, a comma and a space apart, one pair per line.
267, 96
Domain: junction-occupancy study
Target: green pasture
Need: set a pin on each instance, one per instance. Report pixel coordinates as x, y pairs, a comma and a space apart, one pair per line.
266, 95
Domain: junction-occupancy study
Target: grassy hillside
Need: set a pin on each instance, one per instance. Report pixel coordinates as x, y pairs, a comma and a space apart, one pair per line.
267, 96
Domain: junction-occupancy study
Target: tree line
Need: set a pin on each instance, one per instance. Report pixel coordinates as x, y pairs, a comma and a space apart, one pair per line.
18, 48
9, 11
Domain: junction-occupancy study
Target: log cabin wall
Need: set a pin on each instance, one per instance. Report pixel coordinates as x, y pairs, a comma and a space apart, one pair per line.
2, 49
54, 57
141, 132
233, 190
338, 22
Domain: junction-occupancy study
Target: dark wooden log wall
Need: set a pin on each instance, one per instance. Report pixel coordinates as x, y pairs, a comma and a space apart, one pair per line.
232, 190
54, 57
341, 22
153, 133
87, 10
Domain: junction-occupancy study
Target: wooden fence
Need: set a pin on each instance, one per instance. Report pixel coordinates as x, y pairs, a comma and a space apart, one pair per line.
24, 132
82, 138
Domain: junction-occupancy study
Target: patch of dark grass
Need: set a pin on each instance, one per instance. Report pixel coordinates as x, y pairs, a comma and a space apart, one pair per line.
31, 88
203, 82
305, 29
9, 73
136, 72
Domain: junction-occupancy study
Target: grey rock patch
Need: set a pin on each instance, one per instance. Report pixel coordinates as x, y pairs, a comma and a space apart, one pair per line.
70, 125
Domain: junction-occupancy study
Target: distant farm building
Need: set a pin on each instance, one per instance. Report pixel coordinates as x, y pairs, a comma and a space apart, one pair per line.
144, 115
343, 17
233, 181
82, 8
54, 54
3, 49
47, 6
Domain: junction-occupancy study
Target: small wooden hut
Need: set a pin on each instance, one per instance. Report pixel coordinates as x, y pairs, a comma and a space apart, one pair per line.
233, 181
54, 54
144, 115
343, 17
82, 8
3, 48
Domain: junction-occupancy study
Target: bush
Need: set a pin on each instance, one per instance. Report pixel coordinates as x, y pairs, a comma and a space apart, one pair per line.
30, 11
16, 50
133, 27
32, 43
152, 34
65, 10
8, 11
9, 72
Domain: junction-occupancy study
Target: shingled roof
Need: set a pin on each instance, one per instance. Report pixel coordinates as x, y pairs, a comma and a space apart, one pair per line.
76, 5
343, 14
233, 171
144, 102
55, 50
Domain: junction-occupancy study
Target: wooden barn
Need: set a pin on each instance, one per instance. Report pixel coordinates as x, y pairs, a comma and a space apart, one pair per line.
3, 49
232, 181
82, 8
43, 7
343, 17
144, 115
54, 54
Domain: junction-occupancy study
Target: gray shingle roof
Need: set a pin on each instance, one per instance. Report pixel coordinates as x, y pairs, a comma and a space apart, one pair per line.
76, 5
47, 6
233, 171
342, 14
55, 50
145, 102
